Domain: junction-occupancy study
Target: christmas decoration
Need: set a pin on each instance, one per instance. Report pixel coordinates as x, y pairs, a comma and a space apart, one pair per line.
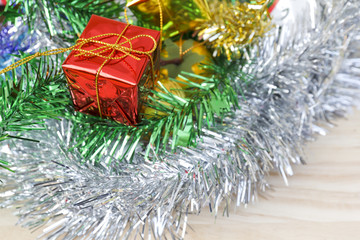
232, 26
272, 5
90, 177
12, 43
185, 56
107, 71
179, 16
215, 95
164, 85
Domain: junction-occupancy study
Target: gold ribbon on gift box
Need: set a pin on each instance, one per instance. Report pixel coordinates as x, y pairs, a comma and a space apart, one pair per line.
127, 51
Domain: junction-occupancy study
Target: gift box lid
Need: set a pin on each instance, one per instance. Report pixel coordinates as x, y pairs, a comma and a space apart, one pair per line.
126, 70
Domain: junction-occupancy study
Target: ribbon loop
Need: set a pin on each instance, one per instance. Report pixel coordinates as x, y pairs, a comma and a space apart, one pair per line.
104, 46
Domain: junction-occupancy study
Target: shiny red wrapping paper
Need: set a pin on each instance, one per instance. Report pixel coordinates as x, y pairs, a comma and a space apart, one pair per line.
120, 80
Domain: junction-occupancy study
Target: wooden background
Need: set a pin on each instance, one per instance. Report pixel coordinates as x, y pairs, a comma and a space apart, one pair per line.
322, 200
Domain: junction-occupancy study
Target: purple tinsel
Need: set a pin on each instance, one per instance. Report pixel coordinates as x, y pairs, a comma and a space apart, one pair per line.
13, 41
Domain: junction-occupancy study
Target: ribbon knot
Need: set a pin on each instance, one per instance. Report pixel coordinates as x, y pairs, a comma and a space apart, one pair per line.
120, 47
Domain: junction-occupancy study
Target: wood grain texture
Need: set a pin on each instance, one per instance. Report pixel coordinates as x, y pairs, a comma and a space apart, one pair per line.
322, 200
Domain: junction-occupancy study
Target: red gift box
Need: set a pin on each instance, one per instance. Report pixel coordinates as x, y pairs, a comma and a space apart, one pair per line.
108, 67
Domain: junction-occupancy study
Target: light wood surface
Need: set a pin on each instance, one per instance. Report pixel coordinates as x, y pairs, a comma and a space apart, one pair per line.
322, 200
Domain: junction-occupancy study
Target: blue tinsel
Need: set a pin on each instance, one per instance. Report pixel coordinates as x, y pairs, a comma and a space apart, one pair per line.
13, 40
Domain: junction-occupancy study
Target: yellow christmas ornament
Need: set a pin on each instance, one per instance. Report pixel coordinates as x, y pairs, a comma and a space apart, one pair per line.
188, 56
179, 16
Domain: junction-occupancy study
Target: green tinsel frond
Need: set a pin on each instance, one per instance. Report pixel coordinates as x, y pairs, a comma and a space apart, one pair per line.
41, 93
5, 165
26, 100
62, 15
180, 124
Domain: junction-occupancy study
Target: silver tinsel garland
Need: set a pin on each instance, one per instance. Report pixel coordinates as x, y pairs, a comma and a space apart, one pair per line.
307, 73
